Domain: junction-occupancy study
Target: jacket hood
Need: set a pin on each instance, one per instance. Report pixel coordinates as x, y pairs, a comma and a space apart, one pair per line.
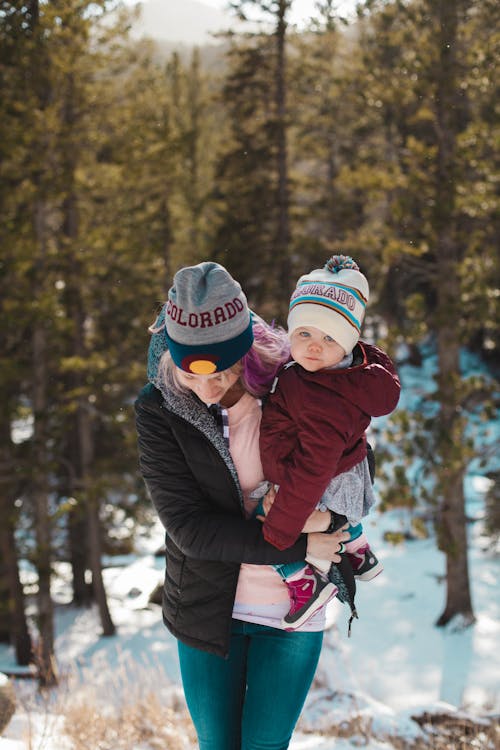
370, 383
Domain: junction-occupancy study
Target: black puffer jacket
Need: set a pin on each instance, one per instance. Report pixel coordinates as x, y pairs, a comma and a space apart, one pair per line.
194, 487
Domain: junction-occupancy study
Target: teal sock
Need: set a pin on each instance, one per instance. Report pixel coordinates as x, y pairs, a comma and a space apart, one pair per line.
287, 569
355, 531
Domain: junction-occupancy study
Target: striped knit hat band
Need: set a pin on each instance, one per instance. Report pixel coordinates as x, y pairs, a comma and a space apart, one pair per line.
332, 299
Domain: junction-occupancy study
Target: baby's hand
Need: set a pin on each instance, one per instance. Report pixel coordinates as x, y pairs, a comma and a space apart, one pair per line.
267, 502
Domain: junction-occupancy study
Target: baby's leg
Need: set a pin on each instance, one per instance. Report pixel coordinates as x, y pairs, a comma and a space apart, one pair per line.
358, 538
308, 588
322, 565
287, 570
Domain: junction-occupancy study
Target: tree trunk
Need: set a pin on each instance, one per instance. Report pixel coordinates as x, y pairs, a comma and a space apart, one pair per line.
89, 545
19, 635
193, 141
47, 673
451, 521
77, 526
4, 596
94, 526
84, 433
108, 627
78, 531
282, 248
167, 238
452, 533
44, 655
77, 521
15, 627
332, 173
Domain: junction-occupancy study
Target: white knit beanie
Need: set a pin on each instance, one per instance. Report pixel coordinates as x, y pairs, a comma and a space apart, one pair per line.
332, 299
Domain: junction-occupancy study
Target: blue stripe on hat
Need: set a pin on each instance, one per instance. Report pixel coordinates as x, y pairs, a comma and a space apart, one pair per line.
331, 304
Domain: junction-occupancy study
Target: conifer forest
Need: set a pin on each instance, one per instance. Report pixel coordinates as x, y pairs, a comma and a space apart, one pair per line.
376, 137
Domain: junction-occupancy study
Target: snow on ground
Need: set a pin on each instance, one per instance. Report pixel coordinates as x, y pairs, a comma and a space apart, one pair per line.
396, 664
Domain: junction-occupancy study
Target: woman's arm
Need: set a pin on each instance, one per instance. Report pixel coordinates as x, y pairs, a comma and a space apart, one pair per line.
202, 515
317, 521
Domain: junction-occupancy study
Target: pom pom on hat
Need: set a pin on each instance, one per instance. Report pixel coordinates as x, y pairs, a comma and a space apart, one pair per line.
333, 299
341, 263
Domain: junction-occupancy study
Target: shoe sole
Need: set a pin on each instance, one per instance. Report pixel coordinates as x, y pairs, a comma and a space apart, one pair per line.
329, 591
370, 574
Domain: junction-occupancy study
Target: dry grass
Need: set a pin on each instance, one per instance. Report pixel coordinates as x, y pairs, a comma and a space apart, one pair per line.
146, 723
145, 711
348, 716
122, 712
439, 732
139, 708
7, 702
450, 732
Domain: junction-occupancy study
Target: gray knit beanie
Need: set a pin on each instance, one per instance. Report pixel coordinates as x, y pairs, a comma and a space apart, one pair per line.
208, 324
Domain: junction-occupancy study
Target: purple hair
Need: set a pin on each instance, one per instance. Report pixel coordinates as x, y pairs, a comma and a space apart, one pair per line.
270, 349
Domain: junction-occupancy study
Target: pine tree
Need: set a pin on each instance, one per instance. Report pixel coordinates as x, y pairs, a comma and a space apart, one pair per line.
245, 180
14, 311
193, 138
49, 237
417, 58
256, 218
323, 136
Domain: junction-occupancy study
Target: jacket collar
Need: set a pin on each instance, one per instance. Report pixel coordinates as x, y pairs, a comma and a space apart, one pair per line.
188, 407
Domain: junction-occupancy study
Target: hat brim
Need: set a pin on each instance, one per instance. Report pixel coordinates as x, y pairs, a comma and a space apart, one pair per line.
204, 360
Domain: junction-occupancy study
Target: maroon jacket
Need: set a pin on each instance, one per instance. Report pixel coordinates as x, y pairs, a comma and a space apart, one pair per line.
313, 428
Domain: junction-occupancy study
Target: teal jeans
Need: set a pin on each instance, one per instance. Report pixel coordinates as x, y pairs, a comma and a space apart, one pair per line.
251, 700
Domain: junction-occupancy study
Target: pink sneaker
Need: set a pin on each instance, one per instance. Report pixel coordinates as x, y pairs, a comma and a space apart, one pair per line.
364, 563
307, 594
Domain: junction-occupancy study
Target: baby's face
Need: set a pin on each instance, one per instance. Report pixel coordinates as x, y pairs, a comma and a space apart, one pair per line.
314, 349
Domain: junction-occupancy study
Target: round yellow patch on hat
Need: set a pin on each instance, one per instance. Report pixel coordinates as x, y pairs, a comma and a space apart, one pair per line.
202, 367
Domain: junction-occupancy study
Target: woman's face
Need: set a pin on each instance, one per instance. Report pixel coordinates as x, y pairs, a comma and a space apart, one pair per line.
211, 389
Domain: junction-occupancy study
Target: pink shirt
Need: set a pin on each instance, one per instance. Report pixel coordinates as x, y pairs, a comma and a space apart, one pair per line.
261, 595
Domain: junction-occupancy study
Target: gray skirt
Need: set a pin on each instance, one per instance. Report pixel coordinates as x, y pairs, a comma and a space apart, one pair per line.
350, 493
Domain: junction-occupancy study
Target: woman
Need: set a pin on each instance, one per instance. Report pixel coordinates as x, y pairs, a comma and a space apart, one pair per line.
245, 678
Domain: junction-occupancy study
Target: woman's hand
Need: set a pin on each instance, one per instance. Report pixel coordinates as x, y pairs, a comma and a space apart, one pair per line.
327, 546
